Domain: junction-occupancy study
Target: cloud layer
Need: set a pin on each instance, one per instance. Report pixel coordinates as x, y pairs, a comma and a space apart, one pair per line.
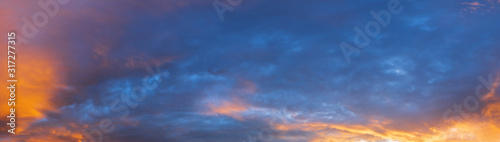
272, 70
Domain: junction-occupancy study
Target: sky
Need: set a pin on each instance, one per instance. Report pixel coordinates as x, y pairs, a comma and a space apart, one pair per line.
253, 70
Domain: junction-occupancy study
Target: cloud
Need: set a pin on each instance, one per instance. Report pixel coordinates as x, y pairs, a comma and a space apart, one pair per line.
269, 64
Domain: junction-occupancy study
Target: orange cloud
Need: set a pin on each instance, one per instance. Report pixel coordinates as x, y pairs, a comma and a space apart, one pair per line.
468, 131
232, 108
39, 76
473, 7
